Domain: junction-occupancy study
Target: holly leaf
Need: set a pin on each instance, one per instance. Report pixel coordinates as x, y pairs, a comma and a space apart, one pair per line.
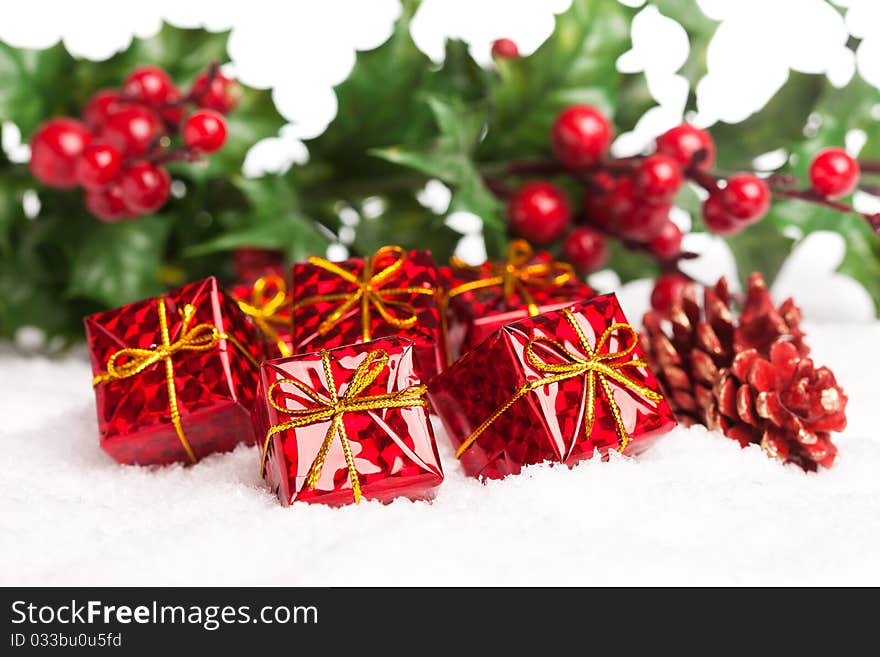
575, 65
406, 223
450, 158
378, 105
630, 265
274, 221
29, 84
761, 247
119, 263
777, 125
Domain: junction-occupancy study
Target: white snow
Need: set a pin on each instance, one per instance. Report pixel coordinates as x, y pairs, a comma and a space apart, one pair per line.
696, 509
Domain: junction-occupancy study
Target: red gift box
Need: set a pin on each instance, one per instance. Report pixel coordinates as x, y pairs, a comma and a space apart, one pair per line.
347, 422
484, 298
267, 302
174, 376
392, 293
555, 387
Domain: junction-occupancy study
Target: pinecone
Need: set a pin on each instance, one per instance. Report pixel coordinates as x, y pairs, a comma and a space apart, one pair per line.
695, 367
784, 403
705, 340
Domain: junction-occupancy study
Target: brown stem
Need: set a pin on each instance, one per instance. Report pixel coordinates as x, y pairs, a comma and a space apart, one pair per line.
182, 154
213, 71
704, 179
869, 166
810, 196
498, 187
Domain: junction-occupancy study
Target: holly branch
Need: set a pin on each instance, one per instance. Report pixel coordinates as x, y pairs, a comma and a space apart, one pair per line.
522, 144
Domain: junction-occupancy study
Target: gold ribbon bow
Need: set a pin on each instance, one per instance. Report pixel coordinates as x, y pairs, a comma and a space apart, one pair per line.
265, 310
598, 367
515, 275
201, 337
334, 408
369, 293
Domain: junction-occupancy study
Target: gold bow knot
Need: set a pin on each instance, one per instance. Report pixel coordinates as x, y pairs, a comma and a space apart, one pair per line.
515, 275
598, 365
370, 292
265, 309
334, 406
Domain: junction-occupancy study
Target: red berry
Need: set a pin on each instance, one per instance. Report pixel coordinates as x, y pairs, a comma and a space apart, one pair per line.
717, 220
55, 148
539, 212
623, 197
666, 244
218, 93
667, 290
98, 165
596, 199
205, 130
643, 222
100, 106
580, 136
174, 111
505, 49
585, 248
658, 177
687, 145
107, 204
746, 197
145, 187
834, 173
149, 85
131, 130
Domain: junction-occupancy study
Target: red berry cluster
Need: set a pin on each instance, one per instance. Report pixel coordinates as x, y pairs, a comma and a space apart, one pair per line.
630, 199
116, 152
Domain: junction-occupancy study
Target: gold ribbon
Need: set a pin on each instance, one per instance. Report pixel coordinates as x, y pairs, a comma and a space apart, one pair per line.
334, 408
515, 275
264, 309
598, 367
369, 293
201, 337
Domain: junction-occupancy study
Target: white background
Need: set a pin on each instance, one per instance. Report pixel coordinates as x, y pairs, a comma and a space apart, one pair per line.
696, 509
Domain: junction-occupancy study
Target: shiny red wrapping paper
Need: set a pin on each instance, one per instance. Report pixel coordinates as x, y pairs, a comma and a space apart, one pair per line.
548, 423
214, 381
536, 284
392, 448
414, 270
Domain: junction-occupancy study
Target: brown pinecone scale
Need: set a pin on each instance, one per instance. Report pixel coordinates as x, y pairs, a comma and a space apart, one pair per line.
749, 376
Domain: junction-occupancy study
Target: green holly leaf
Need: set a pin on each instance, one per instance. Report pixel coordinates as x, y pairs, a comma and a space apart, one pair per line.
450, 158
778, 124
378, 106
575, 65
630, 265
274, 221
761, 247
29, 84
406, 223
119, 263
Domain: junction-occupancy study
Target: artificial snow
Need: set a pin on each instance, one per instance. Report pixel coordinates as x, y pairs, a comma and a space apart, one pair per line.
696, 509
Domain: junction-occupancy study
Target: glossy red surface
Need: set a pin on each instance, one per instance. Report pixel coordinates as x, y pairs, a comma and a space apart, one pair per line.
546, 424
394, 449
215, 388
477, 314
418, 270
